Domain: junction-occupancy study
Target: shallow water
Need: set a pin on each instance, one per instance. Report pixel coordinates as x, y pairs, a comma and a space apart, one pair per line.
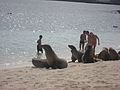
60, 23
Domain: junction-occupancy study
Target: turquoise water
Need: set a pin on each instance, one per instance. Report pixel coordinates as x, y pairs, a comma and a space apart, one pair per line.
60, 23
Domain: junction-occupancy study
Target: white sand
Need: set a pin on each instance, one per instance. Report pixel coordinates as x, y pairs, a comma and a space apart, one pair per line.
103, 75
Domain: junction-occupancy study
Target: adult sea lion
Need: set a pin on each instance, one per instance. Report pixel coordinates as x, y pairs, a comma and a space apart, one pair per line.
104, 54
88, 55
76, 55
119, 54
113, 54
52, 59
40, 63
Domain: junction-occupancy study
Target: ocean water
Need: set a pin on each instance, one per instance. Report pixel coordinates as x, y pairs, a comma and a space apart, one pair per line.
60, 23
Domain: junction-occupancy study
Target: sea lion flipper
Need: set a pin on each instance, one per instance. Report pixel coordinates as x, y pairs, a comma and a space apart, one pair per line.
73, 58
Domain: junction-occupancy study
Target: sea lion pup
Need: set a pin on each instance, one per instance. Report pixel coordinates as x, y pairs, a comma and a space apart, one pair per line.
88, 55
40, 63
113, 54
52, 59
76, 55
104, 55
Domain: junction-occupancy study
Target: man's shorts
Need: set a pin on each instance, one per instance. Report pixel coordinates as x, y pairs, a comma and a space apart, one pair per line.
82, 42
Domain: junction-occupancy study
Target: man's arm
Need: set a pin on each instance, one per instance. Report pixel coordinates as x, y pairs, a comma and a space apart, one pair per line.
98, 40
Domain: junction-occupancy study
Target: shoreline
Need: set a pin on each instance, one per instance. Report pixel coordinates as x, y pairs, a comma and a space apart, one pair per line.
12, 66
102, 75
92, 2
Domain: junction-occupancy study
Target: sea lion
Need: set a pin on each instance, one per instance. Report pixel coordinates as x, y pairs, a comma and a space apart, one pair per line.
40, 63
119, 54
76, 55
113, 54
88, 55
52, 59
104, 55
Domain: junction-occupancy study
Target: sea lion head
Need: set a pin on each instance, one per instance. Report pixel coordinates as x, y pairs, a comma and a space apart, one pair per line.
46, 47
104, 54
104, 48
111, 49
71, 47
113, 54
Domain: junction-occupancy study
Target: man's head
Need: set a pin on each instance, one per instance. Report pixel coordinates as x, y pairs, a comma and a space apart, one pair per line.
87, 32
40, 36
84, 32
91, 33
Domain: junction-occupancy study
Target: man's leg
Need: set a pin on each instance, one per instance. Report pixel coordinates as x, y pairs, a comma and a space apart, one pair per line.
37, 48
83, 44
80, 45
41, 50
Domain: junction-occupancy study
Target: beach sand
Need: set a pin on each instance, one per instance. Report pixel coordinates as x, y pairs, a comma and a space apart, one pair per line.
103, 75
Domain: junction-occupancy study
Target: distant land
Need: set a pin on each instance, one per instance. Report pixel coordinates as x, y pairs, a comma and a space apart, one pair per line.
116, 2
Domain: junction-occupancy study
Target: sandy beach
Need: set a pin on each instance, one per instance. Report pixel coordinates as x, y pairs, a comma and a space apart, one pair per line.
103, 75
60, 23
